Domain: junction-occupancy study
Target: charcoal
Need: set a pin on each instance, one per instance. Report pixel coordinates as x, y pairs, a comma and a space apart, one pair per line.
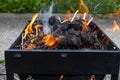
74, 32
52, 20
72, 35
39, 22
55, 26
93, 26
70, 40
76, 25
64, 27
88, 37
56, 33
75, 40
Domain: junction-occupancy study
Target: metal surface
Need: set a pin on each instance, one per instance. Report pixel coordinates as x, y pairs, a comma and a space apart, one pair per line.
63, 62
67, 62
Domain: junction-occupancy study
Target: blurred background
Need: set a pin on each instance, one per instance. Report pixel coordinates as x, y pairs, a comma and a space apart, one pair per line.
60, 6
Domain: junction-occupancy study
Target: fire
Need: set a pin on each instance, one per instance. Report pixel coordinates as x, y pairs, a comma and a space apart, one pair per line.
86, 22
29, 46
85, 26
34, 36
29, 27
92, 77
50, 41
67, 17
37, 28
83, 8
116, 26
116, 13
61, 77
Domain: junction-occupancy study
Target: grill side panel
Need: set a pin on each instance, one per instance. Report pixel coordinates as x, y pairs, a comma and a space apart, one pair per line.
69, 63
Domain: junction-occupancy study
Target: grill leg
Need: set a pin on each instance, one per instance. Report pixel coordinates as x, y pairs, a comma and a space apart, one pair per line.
10, 76
114, 77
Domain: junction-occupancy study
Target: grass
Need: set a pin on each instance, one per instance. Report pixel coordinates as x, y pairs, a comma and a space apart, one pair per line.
2, 61
60, 6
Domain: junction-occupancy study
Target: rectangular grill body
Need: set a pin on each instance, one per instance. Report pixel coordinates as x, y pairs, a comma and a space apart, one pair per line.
67, 62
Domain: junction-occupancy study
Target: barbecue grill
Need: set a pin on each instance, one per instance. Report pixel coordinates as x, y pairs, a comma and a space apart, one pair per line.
74, 64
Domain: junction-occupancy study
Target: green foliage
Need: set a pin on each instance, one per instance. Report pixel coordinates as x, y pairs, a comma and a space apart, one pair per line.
22, 6
103, 6
60, 6
2, 61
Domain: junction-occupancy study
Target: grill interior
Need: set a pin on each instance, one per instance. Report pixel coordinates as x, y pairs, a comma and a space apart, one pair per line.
104, 42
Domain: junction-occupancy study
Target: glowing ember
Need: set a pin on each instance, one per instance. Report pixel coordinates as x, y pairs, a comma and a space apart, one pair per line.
61, 77
50, 41
29, 46
92, 77
116, 26
85, 26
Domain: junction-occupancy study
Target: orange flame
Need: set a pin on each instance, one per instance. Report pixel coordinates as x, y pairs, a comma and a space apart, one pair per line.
116, 13
29, 46
85, 26
67, 17
61, 77
50, 40
29, 27
37, 28
83, 8
116, 26
92, 77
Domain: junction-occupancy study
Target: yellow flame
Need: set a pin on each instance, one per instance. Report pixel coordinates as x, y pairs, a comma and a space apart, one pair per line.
29, 27
116, 26
116, 13
83, 8
37, 28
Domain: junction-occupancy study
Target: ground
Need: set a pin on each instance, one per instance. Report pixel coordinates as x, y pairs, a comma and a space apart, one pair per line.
11, 26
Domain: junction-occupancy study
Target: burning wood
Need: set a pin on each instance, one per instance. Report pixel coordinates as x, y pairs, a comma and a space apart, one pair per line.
74, 15
90, 21
70, 34
84, 16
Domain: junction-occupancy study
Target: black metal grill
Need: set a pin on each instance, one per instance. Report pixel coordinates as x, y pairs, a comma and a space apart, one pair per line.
72, 63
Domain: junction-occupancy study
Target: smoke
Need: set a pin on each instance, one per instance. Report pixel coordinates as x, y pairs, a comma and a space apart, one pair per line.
46, 15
